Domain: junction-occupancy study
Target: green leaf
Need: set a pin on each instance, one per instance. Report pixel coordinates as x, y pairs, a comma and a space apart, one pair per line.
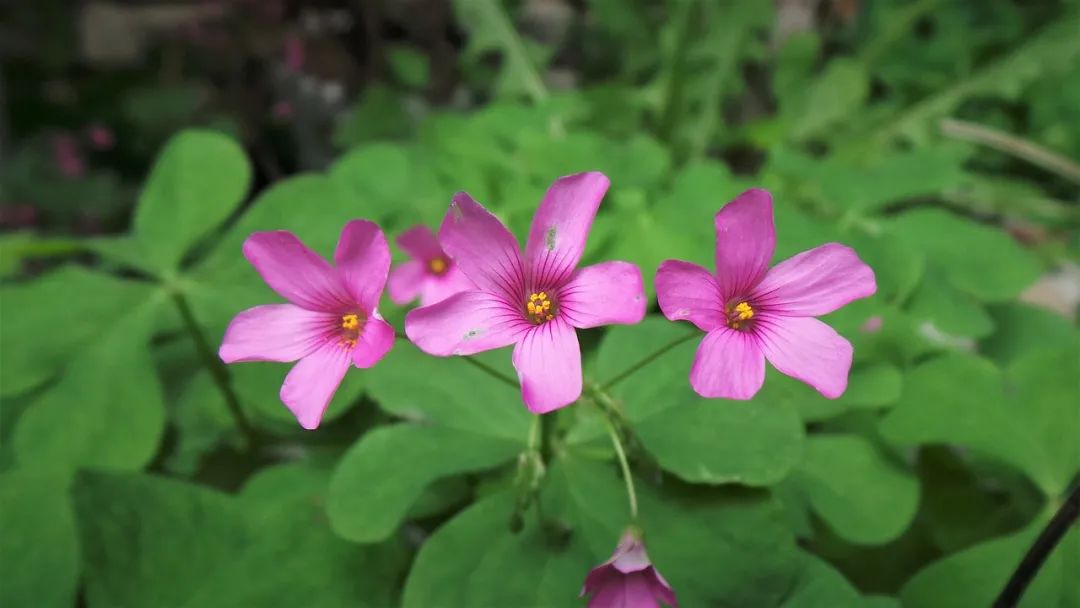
960, 399
450, 392
190, 546
861, 495
717, 442
379, 113
531, 568
1043, 388
975, 576
1020, 327
963, 250
385, 472
717, 546
258, 386
841, 88
107, 410
197, 181
821, 586
37, 541
705, 441
409, 65
872, 386
49, 320
949, 309
490, 29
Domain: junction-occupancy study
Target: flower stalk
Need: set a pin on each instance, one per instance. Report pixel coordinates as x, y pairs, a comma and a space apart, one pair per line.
217, 371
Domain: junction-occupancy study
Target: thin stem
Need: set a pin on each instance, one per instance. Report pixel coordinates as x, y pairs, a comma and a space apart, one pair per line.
625, 465
534, 434
487, 369
217, 370
492, 371
1065, 517
1013, 145
647, 360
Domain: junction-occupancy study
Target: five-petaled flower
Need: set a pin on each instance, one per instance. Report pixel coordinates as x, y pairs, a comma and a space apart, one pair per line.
331, 320
534, 302
752, 312
628, 579
430, 273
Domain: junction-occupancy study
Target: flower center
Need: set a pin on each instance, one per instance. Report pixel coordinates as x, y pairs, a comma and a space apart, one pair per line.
739, 315
437, 265
539, 308
350, 329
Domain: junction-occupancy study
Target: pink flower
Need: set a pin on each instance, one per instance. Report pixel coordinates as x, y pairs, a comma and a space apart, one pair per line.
534, 302
429, 274
628, 579
294, 52
332, 318
67, 157
872, 325
101, 137
753, 313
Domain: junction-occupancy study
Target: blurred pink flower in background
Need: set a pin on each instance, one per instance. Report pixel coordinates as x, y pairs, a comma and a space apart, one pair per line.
67, 157
430, 273
331, 319
752, 313
535, 302
100, 137
282, 110
872, 325
628, 579
294, 52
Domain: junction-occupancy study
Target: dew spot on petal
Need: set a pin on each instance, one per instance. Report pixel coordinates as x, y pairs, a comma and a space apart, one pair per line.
455, 211
472, 333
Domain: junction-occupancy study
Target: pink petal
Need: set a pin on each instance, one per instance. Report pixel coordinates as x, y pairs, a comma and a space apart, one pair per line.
465, 324
627, 591
603, 294
312, 382
662, 589
561, 226
437, 288
275, 332
483, 248
745, 240
816, 282
295, 272
363, 259
728, 364
688, 291
420, 243
548, 363
375, 341
808, 350
406, 281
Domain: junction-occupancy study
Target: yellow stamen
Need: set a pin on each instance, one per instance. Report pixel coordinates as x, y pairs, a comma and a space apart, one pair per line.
539, 308
437, 265
350, 322
744, 310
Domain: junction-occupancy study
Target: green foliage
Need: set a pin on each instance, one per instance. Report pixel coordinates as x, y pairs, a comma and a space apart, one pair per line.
136, 470
39, 548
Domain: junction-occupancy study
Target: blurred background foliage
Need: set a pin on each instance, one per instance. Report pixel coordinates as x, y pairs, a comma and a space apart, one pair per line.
140, 143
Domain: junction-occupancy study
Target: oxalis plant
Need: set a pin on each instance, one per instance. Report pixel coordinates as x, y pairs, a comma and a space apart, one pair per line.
483, 294
632, 448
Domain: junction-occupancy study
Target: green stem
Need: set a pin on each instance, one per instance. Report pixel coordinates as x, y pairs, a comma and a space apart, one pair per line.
631, 495
493, 372
217, 371
647, 360
1013, 145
